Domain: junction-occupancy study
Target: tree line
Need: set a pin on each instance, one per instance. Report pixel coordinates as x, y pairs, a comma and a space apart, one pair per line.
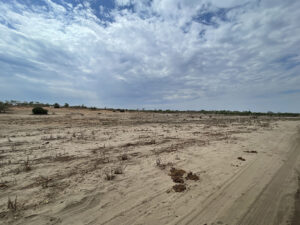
4, 106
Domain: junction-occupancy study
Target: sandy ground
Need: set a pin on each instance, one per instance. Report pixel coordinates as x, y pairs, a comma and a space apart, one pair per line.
102, 167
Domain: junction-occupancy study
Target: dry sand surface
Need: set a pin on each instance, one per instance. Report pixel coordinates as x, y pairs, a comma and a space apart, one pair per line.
77, 166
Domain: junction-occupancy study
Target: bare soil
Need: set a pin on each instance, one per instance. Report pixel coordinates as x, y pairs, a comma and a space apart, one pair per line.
78, 166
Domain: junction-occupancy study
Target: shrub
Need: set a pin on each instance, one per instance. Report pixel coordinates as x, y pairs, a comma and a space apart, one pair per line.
179, 187
56, 105
39, 111
124, 156
192, 176
3, 107
66, 105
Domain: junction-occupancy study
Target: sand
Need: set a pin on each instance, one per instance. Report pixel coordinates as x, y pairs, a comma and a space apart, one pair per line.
80, 166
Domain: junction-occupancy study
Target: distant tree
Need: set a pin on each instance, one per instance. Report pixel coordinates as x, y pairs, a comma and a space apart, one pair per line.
56, 105
66, 105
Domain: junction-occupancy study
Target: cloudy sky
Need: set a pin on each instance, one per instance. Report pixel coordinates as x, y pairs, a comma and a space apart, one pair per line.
176, 54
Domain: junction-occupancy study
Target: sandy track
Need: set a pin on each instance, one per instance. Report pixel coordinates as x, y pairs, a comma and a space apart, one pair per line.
258, 195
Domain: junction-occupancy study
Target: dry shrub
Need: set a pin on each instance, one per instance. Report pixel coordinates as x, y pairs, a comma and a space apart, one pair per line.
3, 186
160, 164
177, 175
64, 158
151, 142
94, 151
177, 179
124, 157
266, 124
27, 166
176, 172
241, 158
120, 169
104, 157
44, 181
109, 174
12, 205
179, 187
129, 144
135, 154
250, 151
192, 176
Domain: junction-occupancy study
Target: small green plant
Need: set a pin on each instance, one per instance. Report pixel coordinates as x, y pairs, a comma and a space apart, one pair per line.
39, 111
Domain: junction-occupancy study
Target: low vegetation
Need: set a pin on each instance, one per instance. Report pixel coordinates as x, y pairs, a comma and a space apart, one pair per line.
179, 187
12, 204
177, 176
4, 106
39, 111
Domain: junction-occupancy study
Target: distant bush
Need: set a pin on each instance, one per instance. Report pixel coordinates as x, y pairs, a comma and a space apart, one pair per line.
66, 105
39, 111
56, 105
3, 107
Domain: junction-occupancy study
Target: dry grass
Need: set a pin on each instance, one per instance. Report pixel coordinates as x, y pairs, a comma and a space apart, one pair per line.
120, 169
109, 174
12, 205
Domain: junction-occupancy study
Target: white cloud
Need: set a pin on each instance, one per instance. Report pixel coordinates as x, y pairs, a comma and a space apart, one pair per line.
156, 53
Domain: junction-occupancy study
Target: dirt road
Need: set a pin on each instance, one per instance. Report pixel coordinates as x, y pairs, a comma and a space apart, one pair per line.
259, 195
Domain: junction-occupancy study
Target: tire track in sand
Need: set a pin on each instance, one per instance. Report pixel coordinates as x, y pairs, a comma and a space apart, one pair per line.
255, 196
